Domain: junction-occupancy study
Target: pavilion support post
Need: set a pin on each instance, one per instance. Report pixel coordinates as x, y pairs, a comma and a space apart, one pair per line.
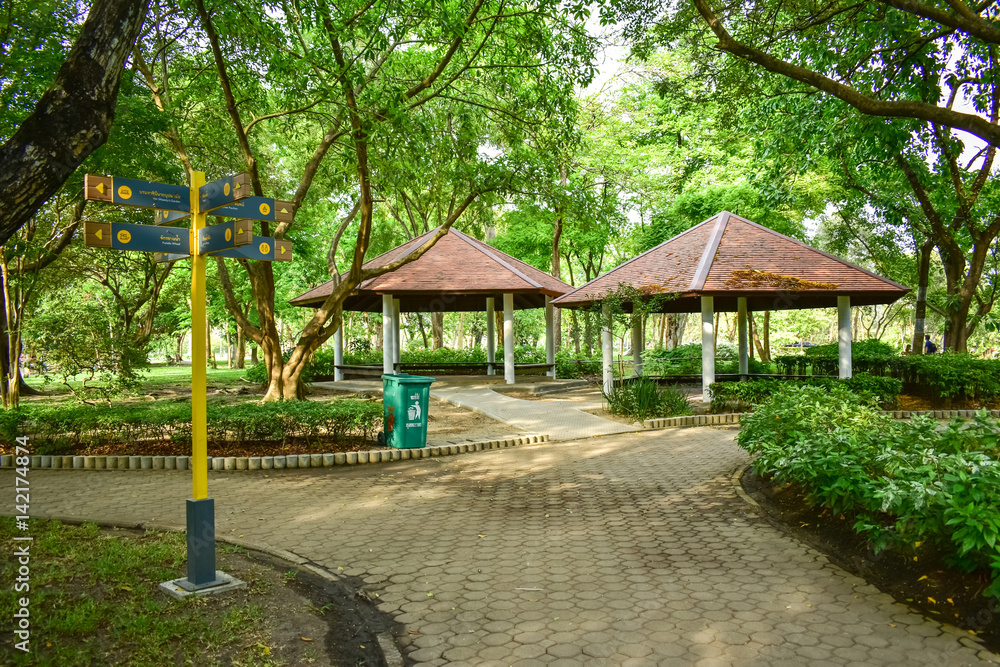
844, 336
508, 338
491, 336
396, 340
387, 336
707, 347
550, 337
741, 319
338, 354
638, 345
607, 350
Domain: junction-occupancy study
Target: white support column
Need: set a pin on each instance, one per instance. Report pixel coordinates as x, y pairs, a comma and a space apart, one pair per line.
638, 345
491, 335
508, 338
387, 335
844, 337
607, 350
396, 341
707, 347
741, 317
338, 354
550, 337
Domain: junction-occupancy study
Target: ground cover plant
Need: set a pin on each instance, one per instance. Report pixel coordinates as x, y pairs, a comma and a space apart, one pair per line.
164, 427
747, 395
912, 486
643, 398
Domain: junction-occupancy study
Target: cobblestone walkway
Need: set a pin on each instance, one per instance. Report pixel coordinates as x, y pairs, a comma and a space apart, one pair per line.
625, 550
560, 421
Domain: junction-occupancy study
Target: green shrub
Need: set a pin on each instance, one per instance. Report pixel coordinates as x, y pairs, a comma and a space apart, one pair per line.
686, 360
952, 375
643, 398
738, 396
78, 428
904, 482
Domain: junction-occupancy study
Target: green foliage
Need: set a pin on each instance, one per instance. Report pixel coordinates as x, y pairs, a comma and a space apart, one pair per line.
63, 429
952, 375
905, 482
737, 396
643, 399
686, 360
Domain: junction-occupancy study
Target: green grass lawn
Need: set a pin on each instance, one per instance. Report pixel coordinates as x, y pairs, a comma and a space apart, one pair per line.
94, 600
158, 377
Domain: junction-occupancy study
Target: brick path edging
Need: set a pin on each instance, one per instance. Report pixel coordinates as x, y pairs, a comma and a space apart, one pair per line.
253, 463
734, 417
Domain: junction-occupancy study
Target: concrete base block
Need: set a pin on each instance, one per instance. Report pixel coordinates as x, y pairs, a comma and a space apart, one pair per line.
241, 463
279, 462
217, 463
78, 462
7, 461
404, 454
46, 462
340, 458
146, 462
362, 457
100, 462
292, 461
328, 460
305, 460
316, 460
158, 463
226, 584
170, 462
253, 463
183, 462
352, 458
266, 462
229, 463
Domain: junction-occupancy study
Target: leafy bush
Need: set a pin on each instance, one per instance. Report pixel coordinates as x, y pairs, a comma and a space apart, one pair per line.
686, 360
951, 375
737, 396
78, 428
643, 398
905, 482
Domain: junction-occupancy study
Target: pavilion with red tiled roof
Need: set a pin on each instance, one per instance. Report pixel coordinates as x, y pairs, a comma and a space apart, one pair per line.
730, 264
458, 274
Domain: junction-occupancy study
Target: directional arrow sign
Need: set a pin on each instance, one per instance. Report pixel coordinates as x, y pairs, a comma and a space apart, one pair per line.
244, 232
223, 236
123, 236
165, 217
263, 248
144, 194
223, 192
258, 208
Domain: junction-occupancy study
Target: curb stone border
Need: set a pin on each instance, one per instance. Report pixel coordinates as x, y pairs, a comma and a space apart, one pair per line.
254, 463
734, 417
393, 656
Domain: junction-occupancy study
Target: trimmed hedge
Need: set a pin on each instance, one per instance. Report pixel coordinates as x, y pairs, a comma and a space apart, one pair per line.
906, 483
54, 430
739, 396
686, 360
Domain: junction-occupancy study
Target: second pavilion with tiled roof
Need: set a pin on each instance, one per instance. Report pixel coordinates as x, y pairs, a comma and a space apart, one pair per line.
730, 264
458, 274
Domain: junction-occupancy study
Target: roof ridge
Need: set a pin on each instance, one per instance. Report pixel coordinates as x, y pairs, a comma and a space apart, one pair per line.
822, 252
469, 240
639, 256
708, 255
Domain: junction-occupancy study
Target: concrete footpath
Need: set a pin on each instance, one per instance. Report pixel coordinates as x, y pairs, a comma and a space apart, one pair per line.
623, 550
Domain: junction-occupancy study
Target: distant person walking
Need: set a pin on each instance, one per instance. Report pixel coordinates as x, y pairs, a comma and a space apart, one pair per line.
929, 346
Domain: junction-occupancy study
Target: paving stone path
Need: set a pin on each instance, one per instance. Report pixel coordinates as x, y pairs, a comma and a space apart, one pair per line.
625, 550
559, 420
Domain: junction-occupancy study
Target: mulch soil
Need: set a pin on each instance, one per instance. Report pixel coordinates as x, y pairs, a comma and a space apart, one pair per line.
918, 578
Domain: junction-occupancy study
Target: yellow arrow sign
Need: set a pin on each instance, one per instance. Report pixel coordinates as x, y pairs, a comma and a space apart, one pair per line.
100, 188
99, 234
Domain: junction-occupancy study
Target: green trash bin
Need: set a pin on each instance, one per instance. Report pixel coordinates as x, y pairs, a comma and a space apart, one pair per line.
404, 403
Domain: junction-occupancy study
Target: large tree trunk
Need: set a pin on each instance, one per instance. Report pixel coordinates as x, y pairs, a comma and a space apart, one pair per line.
241, 348
437, 330
556, 268
72, 118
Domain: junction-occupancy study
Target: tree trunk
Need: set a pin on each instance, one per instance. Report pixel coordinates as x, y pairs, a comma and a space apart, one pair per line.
423, 331
761, 347
241, 348
180, 346
437, 330
229, 349
73, 118
556, 268
254, 360
460, 333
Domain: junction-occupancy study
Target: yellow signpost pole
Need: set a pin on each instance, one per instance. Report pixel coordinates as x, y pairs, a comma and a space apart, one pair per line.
199, 360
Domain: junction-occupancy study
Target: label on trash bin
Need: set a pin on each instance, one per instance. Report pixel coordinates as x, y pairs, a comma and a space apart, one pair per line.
413, 413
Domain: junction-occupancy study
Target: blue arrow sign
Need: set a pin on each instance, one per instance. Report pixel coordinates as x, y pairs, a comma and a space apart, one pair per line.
144, 194
217, 237
148, 238
223, 192
165, 217
263, 248
258, 208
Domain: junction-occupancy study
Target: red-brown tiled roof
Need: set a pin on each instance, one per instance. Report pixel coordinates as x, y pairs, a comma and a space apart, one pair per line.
457, 273
728, 257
